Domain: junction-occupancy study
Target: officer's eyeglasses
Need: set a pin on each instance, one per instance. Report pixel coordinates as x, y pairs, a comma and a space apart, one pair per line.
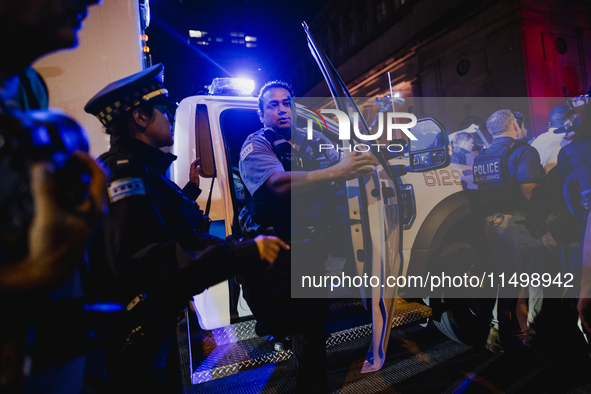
167, 109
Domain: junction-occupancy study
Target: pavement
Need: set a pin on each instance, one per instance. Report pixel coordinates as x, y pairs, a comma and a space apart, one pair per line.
422, 360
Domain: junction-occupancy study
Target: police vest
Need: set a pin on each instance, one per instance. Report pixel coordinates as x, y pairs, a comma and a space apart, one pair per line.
285, 215
308, 158
498, 191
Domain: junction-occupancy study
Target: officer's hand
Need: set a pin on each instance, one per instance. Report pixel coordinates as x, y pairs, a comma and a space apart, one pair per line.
354, 166
269, 247
194, 171
549, 242
58, 238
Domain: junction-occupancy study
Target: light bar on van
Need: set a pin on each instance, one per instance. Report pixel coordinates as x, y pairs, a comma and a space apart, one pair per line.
231, 86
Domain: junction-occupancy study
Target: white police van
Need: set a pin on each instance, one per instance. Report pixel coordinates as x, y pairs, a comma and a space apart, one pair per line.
423, 214
405, 219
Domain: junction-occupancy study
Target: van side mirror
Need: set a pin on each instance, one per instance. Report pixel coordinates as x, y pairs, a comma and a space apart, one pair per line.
431, 149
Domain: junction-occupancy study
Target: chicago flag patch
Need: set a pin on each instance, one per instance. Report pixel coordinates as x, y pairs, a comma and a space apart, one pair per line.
248, 149
126, 187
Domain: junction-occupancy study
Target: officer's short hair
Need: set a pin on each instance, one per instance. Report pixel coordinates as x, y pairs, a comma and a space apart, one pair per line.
519, 118
499, 121
125, 125
461, 139
270, 85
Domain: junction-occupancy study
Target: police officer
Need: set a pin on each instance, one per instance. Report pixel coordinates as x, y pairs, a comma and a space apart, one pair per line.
287, 181
506, 174
575, 158
152, 242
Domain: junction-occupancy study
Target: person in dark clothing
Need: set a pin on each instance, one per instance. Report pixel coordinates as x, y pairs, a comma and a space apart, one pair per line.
574, 161
40, 256
154, 253
506, 173
287, 181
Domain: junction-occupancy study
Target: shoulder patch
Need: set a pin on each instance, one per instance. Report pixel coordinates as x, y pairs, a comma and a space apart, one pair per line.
248, 149
126, 187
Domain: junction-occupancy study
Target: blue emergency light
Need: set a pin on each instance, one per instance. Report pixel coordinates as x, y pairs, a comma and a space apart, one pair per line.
231, 87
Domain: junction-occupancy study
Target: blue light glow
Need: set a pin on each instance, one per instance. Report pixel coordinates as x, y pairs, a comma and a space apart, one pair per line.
176, 35
103, 307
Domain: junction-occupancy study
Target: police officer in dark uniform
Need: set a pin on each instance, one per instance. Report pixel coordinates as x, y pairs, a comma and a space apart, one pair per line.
575, 159
506, 174
155, 256
287, 181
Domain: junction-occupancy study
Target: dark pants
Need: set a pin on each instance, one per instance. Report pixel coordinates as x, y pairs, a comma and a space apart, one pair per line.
150, 365
309, 346
268, 294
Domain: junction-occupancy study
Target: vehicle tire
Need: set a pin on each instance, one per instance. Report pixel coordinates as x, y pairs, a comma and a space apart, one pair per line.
459, 316
460, 323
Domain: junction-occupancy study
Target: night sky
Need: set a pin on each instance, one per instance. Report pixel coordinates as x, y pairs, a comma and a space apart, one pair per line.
189, 67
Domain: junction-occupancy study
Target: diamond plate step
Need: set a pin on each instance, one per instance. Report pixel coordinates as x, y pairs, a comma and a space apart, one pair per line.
229, 350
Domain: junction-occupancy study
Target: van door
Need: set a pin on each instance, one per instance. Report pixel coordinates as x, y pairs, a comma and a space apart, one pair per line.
210, 126
375, 221
376, 236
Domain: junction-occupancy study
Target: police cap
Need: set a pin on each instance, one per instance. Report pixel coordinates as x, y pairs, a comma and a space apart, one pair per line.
121, 97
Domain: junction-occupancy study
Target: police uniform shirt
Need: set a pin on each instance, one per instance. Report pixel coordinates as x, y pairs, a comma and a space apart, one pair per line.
328, 153
523, 164
151, 237
257, 163
258, 160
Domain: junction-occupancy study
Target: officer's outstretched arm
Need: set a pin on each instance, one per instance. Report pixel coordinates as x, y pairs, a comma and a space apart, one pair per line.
303, 182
